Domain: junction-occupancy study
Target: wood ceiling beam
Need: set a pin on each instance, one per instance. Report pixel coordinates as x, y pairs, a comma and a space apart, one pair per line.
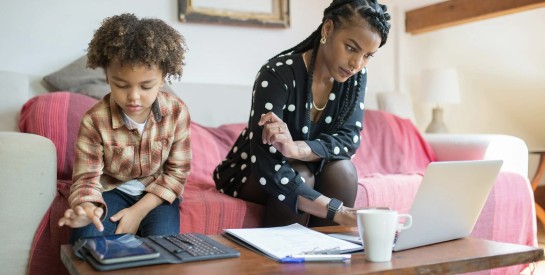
456, 12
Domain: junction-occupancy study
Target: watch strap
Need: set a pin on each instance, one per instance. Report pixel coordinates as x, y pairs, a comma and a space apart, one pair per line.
333, 207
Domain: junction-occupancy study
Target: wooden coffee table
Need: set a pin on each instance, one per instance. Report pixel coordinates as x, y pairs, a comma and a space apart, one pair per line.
458, 256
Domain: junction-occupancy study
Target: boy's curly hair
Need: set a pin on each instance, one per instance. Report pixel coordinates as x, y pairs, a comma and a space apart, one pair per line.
133, 41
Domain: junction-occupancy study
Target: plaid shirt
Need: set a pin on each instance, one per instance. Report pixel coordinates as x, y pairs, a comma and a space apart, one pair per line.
110, 152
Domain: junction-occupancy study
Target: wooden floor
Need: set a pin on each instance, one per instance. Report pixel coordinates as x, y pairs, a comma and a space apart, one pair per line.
539, 268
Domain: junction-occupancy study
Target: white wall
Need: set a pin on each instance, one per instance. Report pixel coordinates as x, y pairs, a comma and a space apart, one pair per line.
501, 63
41, 36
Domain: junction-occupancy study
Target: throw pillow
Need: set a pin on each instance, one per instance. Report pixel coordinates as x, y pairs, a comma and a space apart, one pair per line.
57, 117
77, 78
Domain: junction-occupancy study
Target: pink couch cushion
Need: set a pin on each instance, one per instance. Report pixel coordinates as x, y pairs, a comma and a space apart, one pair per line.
56, 116
391, 145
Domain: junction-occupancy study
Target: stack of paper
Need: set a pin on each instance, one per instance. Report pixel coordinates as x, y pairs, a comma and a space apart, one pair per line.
286, 241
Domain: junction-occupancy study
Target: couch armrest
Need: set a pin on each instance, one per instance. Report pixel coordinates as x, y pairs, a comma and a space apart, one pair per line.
512, 150
28, 165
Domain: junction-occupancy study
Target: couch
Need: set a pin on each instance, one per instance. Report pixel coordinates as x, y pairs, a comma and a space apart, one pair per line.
37, 132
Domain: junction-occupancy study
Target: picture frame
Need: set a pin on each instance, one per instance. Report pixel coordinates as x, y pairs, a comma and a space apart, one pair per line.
259, 13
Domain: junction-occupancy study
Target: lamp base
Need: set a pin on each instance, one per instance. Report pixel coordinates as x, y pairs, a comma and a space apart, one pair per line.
437, 125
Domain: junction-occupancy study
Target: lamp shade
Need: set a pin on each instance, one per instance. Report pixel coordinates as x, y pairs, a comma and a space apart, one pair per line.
440, 86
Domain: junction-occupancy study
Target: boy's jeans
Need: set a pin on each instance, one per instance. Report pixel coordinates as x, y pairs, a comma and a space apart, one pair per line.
163, 220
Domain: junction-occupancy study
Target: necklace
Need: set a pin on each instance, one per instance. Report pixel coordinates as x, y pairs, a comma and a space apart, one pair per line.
316, 107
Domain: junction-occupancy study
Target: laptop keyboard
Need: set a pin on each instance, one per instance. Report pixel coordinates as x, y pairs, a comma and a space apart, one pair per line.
193, 245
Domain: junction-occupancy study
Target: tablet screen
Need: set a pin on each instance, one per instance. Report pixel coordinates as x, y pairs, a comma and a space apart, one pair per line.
119, 248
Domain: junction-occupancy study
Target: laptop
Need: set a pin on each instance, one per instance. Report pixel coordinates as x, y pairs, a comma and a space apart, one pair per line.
449, 201
447, 204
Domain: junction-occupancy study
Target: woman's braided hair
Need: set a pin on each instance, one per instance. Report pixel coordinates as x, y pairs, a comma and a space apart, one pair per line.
343, 12
133, 41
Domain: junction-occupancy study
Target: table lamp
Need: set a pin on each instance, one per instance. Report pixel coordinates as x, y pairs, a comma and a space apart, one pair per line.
439, 86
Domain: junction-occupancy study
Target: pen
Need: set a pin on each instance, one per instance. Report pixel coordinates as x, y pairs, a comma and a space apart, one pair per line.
315, 258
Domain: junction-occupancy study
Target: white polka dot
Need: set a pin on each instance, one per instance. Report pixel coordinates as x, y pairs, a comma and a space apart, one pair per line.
244, 155
285, 87
264, 84
272, 149
233, 165
268, 106
221, 191
277, 167
328, 120
358, 124
355, 83
308, 105
284, 107
335, 134
244, 132
331, 96
235, 194
263, 181
281, 197
232, 179
279, 64
361, 105
303, 179
273, 70
253, 93
235, 149
364, 71
251, 135
243, 180
217, 176
355, 138
336, 150
253, 159
284, 180
345, 149
294, 84
289, 61
252, 113
305, 129
242, 166
291, 108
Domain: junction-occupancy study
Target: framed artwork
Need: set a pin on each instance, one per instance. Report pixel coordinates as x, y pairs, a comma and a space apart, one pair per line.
261, 13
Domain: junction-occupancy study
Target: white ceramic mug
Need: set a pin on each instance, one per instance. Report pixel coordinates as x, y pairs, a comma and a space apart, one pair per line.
378, 228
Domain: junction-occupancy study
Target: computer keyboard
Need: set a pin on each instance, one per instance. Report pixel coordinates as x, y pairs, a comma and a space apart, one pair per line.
194, 247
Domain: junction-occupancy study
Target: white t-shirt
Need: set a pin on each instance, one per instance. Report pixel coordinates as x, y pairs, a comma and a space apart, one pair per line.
133, 187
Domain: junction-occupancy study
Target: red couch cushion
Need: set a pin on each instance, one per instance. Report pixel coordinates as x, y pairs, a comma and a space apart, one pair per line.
391, 145
57, 116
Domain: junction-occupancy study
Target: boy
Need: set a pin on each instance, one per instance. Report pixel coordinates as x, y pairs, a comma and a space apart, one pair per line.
133, 151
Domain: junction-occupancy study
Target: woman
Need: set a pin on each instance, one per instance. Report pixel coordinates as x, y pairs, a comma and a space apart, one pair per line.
305, 122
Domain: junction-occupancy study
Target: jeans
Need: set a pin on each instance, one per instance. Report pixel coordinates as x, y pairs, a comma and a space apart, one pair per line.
163, 220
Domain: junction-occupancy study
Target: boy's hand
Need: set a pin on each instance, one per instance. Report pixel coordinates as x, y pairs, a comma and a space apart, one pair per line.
129, 220
83, 215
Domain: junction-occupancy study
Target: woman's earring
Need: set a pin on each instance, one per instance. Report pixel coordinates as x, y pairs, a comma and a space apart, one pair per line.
323, 40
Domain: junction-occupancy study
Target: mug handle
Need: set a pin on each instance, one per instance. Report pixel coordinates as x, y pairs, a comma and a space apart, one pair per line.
408, 221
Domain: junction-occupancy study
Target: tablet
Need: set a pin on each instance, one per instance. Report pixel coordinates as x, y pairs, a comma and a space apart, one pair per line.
119, 248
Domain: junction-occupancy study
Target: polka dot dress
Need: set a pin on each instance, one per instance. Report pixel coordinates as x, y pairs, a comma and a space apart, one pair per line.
280, 87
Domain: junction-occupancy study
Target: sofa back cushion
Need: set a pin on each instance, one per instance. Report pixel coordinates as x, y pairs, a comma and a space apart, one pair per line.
209, 146
56, 116
391, 145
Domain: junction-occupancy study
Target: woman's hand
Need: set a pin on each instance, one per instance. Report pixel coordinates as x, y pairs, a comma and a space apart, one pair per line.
277, 134
346, 216
82, 215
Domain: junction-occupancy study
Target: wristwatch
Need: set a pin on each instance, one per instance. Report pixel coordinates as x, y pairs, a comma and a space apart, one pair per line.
333, 207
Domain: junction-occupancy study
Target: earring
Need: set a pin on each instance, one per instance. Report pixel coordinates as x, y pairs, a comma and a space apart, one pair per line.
323, 40
351, 68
